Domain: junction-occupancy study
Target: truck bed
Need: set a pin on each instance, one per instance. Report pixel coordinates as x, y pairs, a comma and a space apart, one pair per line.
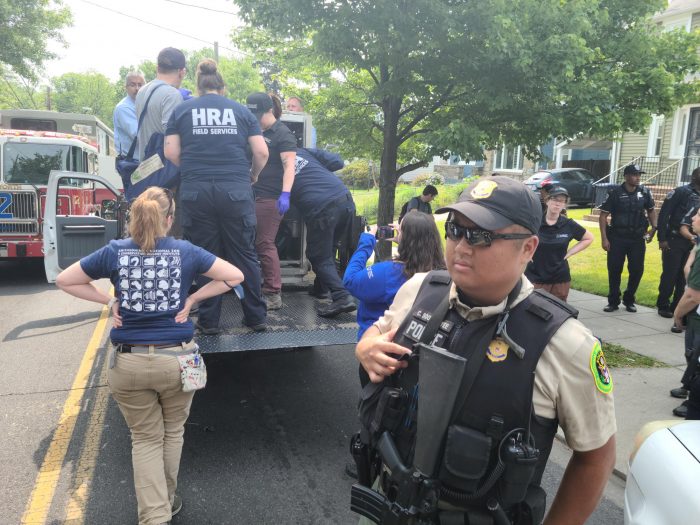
295, 325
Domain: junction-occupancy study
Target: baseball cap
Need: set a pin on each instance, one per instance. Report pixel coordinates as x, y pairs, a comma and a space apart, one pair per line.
633, 169
497, 202
558, 190
259, 103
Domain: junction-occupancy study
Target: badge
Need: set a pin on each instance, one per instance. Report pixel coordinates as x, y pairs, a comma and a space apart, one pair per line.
599, 368
484, 189
498, 350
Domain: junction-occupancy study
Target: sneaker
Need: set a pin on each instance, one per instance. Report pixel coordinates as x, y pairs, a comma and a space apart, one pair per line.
259, 327
665, 312
273, 301
214, 330
177, 505
681, 410
630, 308
337, 307
680, 392
676, 330
611, 308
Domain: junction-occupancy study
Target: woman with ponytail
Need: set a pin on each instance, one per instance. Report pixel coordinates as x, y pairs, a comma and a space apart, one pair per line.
208, 138
155, 367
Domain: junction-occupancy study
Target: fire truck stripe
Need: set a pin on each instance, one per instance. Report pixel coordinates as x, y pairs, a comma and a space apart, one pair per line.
44, 489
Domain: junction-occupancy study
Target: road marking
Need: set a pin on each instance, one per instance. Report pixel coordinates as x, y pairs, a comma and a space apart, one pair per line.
45, 485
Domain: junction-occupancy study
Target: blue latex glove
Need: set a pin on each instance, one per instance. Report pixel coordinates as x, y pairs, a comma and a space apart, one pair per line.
283, 202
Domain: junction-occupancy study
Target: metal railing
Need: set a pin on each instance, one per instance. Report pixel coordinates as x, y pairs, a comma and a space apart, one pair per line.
615, 172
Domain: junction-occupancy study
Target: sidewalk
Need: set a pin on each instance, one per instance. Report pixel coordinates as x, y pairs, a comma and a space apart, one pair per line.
641, 394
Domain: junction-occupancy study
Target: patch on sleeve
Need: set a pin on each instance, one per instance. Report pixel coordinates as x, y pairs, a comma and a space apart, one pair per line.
599, 368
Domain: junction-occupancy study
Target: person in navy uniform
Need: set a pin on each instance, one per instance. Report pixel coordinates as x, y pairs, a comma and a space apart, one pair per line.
208, 138
675, 247
549, 268
328, 209
632, 209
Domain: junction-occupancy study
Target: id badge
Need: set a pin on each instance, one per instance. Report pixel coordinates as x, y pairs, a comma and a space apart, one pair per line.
193, 372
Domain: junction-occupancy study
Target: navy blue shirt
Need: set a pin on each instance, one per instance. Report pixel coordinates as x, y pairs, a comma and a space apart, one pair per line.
315, 185
151, 288
214, 135
279, 139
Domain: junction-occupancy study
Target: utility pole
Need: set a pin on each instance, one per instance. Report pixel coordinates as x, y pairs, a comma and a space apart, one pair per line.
216, 52
48, 98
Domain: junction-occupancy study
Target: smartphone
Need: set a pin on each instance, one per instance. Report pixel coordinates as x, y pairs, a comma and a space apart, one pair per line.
385, 232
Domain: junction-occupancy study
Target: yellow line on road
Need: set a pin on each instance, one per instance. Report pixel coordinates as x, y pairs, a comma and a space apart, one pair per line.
45, 485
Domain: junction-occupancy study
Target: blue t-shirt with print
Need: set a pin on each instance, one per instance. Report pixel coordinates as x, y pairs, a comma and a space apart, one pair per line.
214, 135
151, 288
315, 185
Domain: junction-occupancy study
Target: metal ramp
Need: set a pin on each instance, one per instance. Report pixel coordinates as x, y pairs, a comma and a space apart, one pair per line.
295, 325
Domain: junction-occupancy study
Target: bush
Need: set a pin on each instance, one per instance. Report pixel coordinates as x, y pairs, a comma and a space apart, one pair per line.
357, 175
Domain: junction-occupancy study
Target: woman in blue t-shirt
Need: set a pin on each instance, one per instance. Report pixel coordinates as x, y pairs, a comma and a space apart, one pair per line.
549, 268
419, 250
156, 366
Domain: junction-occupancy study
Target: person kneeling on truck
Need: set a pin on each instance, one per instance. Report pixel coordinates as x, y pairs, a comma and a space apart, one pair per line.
327, 208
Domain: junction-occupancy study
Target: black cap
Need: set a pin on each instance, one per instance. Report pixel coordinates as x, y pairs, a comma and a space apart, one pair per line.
498, 202
259, 103
633, 169
558, 190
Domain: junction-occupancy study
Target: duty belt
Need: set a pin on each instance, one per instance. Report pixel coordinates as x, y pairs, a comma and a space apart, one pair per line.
175, 349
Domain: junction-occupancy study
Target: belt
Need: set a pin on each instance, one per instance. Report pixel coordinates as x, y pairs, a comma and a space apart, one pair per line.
182, 348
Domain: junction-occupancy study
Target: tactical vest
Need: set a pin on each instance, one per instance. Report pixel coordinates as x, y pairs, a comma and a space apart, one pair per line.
629, 217
500, 398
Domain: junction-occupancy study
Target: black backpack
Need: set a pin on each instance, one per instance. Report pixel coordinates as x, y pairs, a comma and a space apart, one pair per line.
404, 209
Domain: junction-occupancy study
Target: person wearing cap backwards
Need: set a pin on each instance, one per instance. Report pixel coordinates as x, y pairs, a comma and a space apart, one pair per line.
632, 208
549, 268
272, 191
530, 366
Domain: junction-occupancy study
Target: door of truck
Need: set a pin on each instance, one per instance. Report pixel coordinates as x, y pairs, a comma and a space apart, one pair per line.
69, 236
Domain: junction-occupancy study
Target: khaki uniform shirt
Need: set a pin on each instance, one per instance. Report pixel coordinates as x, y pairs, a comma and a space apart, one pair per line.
571, 380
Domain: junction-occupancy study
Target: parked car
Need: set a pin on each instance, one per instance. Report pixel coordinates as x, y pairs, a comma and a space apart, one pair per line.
577, 181
664, 469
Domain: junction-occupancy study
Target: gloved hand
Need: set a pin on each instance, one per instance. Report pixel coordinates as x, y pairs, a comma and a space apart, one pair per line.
283, 202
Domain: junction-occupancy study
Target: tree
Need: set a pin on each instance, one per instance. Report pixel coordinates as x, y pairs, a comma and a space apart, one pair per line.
90, 93
419, 77
26, 27
18, 92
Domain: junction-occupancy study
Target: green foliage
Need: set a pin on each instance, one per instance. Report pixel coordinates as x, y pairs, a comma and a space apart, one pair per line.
19, 92
359, 174
26, 28
90, 93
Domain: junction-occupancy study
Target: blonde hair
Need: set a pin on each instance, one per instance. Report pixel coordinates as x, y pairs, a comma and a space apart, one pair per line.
208, 77
148, 217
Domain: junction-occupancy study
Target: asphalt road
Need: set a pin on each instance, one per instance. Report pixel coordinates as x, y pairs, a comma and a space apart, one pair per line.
267, 440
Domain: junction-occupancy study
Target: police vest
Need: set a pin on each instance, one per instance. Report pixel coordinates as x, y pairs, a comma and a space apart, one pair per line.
500, 399
686, 199
628, 216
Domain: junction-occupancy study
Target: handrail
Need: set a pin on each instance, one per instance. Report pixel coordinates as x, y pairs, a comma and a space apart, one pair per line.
633, 161
660, 172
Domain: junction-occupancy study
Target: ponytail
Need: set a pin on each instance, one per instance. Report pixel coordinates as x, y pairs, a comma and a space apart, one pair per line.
148, 217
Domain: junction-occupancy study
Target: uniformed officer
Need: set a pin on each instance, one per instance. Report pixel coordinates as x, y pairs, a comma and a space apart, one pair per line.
632, 208
491, 236
208, 136
673, 245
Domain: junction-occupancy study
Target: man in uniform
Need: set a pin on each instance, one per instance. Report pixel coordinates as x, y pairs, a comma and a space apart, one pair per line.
125, 121
491, 235
673, 245
632, 210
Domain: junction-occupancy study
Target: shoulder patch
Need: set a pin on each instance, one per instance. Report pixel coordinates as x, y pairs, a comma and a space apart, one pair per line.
599, 368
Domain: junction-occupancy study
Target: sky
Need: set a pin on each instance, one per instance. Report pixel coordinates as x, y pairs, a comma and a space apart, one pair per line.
103, 40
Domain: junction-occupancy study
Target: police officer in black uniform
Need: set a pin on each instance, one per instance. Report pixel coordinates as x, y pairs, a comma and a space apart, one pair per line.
632, 208
673, 245
528, 369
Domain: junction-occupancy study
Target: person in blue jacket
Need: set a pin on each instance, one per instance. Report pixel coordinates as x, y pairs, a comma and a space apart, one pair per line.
419, 250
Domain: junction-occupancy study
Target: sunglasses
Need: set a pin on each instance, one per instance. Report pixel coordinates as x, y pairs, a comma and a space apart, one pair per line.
478, 237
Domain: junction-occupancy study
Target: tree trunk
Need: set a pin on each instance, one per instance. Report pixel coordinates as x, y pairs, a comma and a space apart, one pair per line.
387, 170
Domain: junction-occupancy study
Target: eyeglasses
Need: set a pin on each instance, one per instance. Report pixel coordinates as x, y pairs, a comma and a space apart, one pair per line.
477, 237
171, 201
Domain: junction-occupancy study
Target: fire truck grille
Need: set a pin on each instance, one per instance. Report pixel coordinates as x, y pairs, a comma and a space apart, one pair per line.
20, 217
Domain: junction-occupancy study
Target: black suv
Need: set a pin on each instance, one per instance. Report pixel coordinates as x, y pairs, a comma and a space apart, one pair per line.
577, 181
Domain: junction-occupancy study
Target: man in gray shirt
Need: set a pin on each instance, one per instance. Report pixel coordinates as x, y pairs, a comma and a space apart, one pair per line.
171, 71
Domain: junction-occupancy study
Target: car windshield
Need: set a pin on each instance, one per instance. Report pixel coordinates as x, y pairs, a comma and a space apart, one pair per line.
31, 163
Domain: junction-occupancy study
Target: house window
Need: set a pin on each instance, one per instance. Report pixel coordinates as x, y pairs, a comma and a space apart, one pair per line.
508, 158
679, 133
656, 133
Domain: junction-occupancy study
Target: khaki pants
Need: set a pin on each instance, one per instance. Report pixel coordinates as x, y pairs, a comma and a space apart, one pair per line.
149, 393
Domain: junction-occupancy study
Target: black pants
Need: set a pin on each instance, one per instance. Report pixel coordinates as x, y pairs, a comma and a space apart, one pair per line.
220, 217
632, 248
691, 376
672, 277
322, 234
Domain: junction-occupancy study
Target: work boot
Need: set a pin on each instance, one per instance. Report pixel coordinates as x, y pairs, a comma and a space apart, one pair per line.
273, 301
257, 327
337, 307
680, 392
630, 308
207, 330
665, 312
177, 505
611, 308
681, 410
